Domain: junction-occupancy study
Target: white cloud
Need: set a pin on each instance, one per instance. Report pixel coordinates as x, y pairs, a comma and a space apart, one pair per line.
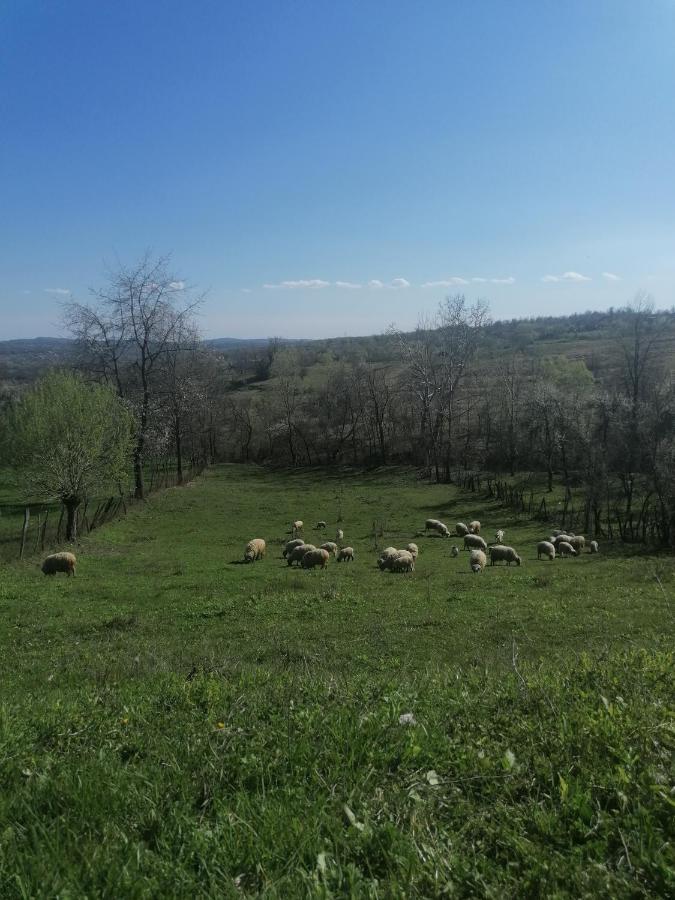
450, 282
177, 285
610, 276
509, 280
25, 292
301, 283
548, 279
62, 292
400, 283
574, 276
246, 290
347, 284
375, 283
479, 280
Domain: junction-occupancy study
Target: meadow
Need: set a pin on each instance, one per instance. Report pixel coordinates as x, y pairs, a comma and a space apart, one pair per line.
177, 723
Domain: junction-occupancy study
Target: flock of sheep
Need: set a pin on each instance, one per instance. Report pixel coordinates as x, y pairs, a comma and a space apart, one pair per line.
391, 559
308, 556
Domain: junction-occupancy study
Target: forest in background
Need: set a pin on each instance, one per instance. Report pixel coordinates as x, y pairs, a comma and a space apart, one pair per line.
581, 406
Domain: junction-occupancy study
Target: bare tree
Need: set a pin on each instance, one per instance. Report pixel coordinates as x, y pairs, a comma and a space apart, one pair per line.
133, 322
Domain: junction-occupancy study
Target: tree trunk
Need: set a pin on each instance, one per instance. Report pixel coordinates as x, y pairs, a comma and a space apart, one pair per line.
71, 504
179, 452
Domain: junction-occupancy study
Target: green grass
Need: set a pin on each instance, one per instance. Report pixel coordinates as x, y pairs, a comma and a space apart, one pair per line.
176, 723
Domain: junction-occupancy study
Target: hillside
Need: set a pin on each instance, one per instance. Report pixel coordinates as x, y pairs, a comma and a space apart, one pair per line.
181, 724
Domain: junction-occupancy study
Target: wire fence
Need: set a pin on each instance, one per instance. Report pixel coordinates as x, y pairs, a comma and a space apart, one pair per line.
38, 527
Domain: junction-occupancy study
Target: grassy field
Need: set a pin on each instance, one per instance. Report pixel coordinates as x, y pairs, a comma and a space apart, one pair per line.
176, 723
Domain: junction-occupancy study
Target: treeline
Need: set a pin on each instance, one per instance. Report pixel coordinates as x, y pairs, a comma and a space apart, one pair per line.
460, 394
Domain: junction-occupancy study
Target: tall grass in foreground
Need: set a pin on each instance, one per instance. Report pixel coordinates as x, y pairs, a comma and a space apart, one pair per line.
526, 785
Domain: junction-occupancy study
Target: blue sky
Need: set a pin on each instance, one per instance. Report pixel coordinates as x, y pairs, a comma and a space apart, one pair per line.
521, 152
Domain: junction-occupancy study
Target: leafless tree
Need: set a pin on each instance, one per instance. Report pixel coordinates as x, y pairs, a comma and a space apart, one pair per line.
131, 324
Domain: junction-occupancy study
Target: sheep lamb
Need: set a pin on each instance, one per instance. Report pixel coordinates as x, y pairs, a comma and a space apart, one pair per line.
477, 561
314, 558
545, 548
296, 526
593, 547
346, 555
330, 546
60, 562
474, 527
454, 552
461, 529
339, 535
413, 549
500, 553
499, 536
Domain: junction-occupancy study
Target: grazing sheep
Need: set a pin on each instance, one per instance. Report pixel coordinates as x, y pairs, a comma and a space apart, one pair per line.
500, 553
386, 557
461, 529
346, 555
578, 542
593, 547
297, 554
291, 545
314, 558
255, 549
320, 525
557, 532
330, 546
545, 548
454, 552
60, 562
477, 561
564, 548
435, 525
403, 562
474, 527
559, 538
296, 527
474, 542
413, 549
339, 535
499, 536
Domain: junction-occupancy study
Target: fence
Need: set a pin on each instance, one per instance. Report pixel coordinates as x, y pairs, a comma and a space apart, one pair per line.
44, 526
646, 524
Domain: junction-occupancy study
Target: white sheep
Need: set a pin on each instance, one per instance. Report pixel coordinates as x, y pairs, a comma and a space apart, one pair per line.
406, 553
578, 542
593, 547
295, 556
431, 524
474, 527
403, 562
386, 557
503, 554
60, 562
545, 548
499, 536
477, 561
413, 549
255, 549
291, 545
314, 558
296, 527
564, 548
339, 535
559, 538
461, 529
454, 552
330, 546
346, 555
474, 542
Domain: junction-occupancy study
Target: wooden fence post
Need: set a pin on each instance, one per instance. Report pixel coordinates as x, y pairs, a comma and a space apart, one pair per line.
24, 530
